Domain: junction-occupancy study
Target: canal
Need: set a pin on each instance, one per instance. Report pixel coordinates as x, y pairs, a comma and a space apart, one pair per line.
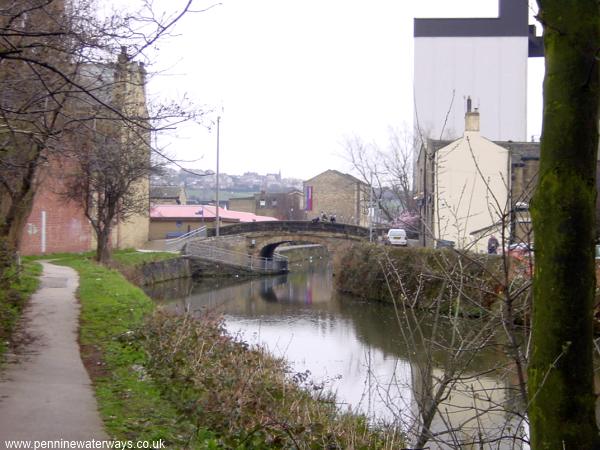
378, 360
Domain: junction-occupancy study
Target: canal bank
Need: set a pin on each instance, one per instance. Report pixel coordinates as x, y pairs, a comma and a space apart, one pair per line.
365, 351
378, 360
428, 279
142, 396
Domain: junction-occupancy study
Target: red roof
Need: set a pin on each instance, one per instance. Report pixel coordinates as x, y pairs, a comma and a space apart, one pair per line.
203, 211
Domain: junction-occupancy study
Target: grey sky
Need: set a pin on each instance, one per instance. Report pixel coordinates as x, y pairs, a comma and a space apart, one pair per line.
293, 78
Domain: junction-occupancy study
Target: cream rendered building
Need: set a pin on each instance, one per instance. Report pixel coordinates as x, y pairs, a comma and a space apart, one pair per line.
470, 181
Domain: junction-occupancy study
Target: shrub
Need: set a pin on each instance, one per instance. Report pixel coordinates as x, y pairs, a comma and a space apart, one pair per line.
243, 394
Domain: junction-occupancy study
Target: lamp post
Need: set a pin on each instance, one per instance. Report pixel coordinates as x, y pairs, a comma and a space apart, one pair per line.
217, 184
371, 209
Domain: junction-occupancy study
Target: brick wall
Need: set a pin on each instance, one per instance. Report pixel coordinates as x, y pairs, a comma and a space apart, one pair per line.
56, 225
66, 227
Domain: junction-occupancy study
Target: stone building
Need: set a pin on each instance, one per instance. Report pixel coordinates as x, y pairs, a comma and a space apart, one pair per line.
168, 195
333, 192
282, 205
58, 225
471, 188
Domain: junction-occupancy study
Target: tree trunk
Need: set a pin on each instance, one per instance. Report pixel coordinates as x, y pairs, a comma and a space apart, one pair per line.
103, 253
561, 388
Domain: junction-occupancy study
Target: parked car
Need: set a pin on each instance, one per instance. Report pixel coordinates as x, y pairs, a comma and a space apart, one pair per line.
397, 236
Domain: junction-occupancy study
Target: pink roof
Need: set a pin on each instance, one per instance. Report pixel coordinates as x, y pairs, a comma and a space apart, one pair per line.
203, 211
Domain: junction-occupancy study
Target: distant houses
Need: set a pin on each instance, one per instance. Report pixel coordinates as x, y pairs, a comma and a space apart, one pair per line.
282, 205
168, 195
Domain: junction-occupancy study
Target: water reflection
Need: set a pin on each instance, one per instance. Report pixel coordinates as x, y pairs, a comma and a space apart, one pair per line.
363, 352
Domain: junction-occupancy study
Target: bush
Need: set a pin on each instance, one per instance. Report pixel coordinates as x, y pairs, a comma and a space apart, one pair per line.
243, 395
420, 277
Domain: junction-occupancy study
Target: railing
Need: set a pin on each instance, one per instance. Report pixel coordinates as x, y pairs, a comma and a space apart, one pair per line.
177, 244
202, 250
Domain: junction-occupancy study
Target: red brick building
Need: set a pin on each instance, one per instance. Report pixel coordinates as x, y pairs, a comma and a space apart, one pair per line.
57, 225
54, 224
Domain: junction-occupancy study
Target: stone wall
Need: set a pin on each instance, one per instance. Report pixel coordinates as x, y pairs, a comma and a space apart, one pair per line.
339, 194
159, 271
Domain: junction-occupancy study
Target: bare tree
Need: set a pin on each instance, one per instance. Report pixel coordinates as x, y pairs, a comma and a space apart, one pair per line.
387, 171
109, 161
479, 303
46, 46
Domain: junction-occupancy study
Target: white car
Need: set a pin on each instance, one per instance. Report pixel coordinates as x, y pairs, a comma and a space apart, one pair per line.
397, 236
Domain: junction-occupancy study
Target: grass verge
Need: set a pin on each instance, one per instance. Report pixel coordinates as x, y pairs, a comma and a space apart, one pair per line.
130, 402
132, 258
185, 381
23, 283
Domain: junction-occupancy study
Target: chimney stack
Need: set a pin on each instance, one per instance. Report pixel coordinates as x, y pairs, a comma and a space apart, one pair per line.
471, 117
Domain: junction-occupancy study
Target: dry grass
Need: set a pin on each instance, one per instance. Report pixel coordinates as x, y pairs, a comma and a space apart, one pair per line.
245, 395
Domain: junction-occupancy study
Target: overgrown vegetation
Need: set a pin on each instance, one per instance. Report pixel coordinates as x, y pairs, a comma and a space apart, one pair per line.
187, 382
244, 395
425, 277
449, 285
20, 284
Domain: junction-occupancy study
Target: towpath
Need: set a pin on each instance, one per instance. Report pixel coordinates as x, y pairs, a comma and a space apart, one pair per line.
45, 391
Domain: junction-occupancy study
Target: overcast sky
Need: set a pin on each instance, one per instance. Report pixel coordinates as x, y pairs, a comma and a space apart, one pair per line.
292, 78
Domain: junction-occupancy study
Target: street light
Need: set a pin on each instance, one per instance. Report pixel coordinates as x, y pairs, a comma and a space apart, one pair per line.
217, 195
371, 209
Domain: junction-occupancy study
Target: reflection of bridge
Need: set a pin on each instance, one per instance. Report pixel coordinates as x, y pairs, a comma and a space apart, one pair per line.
262, 238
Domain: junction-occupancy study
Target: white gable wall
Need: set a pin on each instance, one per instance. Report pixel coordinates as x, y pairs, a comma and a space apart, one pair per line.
471, 189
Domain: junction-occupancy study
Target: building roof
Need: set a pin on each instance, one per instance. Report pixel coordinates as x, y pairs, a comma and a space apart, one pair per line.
336, 172
165, 191
181, 212
519, 151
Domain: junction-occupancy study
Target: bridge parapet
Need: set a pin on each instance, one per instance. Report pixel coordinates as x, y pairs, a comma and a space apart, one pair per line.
292, 226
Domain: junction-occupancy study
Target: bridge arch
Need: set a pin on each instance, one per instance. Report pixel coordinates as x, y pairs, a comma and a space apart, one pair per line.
336, 245
269, 249
262, 238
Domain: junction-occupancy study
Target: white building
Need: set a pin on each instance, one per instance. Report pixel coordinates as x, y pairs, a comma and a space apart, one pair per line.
483, 58
471, 186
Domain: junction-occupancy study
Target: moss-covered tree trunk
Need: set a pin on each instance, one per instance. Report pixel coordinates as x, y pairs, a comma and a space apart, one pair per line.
561, 390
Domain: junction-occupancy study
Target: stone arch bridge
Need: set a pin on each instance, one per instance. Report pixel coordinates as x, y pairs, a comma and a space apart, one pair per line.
262, 238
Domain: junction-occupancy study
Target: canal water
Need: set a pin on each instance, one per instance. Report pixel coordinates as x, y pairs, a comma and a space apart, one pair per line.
374, 358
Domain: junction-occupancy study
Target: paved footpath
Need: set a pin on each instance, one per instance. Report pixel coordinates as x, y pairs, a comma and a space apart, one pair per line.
46, 394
